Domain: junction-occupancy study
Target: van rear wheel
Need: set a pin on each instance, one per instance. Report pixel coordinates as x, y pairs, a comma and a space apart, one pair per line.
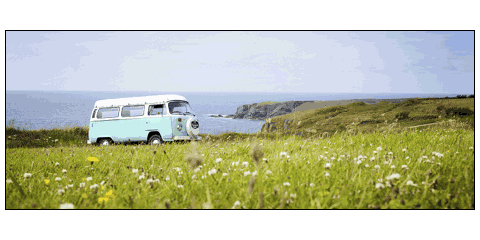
104, 142
155, 140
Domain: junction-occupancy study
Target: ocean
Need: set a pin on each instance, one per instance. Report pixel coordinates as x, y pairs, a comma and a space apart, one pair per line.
44, 110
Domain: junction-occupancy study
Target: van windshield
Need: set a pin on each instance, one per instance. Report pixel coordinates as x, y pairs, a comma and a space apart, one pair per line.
180, 108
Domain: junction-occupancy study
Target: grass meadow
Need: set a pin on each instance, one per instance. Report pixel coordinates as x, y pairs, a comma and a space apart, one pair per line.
421, 168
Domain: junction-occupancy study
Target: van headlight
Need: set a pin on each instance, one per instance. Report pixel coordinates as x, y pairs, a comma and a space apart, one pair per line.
193, 126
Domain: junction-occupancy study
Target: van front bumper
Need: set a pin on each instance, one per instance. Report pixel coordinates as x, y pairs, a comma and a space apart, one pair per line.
187, 138
89, 142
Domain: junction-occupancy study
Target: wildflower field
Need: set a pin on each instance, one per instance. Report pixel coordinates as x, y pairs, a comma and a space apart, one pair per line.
417, 169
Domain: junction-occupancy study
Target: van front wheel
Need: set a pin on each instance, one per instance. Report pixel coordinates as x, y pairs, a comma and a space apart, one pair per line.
155, 139
104, 142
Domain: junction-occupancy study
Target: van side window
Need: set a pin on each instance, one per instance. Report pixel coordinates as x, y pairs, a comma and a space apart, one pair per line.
107, 113
94, 111
132, 111
155, 109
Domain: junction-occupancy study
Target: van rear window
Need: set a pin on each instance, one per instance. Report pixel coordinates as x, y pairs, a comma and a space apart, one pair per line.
132, 111
107, 113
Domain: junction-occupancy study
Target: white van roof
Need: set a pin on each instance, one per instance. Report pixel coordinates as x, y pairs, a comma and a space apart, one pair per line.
137, 100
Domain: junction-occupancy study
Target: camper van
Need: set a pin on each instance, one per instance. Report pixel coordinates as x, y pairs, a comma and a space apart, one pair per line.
151, 119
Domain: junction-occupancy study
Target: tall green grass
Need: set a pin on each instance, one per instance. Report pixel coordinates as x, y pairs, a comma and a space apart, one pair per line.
293, 174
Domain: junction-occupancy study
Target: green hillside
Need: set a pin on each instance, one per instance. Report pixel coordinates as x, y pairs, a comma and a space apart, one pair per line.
381, 117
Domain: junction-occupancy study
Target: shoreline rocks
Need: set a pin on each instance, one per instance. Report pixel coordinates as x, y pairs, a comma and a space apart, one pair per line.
263, 111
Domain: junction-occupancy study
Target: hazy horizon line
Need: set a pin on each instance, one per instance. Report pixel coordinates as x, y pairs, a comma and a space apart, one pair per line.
264, 92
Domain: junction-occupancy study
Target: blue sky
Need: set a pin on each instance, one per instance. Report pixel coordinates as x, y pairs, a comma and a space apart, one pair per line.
337, 62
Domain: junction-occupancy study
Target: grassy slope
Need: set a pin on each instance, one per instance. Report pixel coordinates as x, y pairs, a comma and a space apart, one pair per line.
358, 117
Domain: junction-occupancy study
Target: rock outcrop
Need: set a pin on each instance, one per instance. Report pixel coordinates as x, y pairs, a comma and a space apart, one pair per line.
258, 111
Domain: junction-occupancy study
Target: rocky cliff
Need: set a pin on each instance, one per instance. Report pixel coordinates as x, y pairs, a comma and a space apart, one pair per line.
258, 111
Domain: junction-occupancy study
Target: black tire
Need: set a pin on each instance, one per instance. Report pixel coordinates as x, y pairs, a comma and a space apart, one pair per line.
155, 139
105, 142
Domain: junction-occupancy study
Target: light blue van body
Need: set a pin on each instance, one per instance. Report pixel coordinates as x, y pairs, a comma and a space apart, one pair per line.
140, 118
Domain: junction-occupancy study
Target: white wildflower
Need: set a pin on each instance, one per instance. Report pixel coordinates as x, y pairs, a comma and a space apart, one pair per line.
268, 172
134, 170
380, 180
56, 164
64, 171
372, 159
293, 195
245, 164
58, 179
158, 181
180, 173
254, 173
388, 184
404, 167
410, 183
149, 181
328, 165
82, 185
327, 174
9, 181
366, 165
236, 204
141, 177
379, 186
212, 171
196, 170
392, 167
94, 186
375, 152
404, 150
167, 178
204, 176
283, 154
286, 184
27, 175
66, 206
247, 173
439, 164
180, 186
89, 179
377, 167
393, 176
379, 148
61, 191
102, 183
470, 148
312, 184
333, 158
219, 160
359, 162
407, 158
264, 159
225, 174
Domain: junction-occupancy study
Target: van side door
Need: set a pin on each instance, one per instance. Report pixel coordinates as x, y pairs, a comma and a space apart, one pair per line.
158, 120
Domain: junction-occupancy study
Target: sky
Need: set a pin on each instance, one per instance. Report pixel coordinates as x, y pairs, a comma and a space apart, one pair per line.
258, 61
